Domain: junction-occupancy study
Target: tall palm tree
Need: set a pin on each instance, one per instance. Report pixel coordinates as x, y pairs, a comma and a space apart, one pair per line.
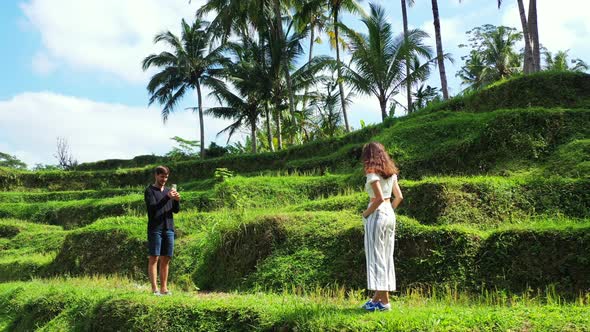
244, 100
380, 58
310, 15
530, 31
335, 7
327, 105
534, 31
439, 51
188, 66
408, 60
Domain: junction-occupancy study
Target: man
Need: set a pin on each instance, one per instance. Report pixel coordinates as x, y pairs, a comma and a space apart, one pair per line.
161, 203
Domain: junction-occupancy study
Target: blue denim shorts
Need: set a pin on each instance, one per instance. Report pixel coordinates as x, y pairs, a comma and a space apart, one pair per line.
161, 242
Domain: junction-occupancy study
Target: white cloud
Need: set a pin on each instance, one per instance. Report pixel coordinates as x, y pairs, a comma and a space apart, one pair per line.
105, 35
32, 121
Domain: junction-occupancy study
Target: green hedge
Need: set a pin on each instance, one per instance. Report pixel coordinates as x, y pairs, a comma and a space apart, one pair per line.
494, 200
110, 246
109, 164
444, 142
543, 89
72, 214
491, 143
40, 197
266, 191
482, 201
310, 249
570, 160
305, 250
520, 259
29, 249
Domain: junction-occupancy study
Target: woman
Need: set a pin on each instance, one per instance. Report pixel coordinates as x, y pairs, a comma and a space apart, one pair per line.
379, 222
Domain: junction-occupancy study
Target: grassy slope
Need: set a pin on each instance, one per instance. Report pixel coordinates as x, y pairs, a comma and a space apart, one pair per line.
498, 204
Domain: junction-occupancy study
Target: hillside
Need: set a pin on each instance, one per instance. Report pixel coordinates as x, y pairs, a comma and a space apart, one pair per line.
493, 234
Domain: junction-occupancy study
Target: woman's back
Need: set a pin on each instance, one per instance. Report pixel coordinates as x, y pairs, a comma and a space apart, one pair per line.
386, 184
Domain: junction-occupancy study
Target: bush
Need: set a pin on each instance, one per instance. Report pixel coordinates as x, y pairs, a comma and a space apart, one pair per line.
518, 260
543, 89
111, 246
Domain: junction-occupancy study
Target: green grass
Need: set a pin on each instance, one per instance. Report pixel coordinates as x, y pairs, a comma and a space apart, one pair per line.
118, 304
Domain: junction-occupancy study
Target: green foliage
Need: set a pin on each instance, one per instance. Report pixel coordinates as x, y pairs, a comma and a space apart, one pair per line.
72, 214
543, 89
9, 161
492, 56
570, 160
27, 249
559, 62
110, 246
44, 196
185, 150
222, 174
139, 161
215, 151
518, 260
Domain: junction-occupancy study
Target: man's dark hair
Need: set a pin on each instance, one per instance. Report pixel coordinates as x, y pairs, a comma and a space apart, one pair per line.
161, 170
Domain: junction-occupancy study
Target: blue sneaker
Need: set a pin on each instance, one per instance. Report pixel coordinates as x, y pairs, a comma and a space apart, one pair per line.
369, 305
381, 307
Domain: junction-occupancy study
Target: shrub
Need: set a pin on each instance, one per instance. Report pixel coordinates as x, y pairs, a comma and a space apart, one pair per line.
520, 259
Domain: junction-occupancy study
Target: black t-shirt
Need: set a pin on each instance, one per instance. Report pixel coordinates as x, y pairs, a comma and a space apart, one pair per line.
160, 208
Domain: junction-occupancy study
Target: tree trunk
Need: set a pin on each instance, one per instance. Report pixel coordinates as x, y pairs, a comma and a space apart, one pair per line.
527, 67
253, 135
291, 101
279, 133
268, 128
383, 105
439, 51
285, 61
534, 33
339, 65
201, 122
312, 36
408, 85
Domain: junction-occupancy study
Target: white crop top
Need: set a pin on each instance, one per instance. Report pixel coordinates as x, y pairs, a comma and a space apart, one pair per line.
386, 184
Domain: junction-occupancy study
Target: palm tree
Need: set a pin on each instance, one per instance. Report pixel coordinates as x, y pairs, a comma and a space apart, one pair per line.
249, 79
530, 31
424, 95
493, 56
408, 61
310, 15
335, 7
559, 62
439, 51
380, 59
473, 74
188, 66
327, 105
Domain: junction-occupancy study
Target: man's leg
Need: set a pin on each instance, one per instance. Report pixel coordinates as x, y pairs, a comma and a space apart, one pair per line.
153, 272
164, 264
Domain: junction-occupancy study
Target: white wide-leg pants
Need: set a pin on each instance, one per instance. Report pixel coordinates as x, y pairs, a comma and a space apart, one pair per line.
379, 243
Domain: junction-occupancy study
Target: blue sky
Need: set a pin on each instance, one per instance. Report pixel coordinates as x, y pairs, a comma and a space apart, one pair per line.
72, 69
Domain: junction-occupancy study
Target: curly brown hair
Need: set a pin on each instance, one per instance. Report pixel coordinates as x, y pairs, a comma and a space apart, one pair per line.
377, 160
